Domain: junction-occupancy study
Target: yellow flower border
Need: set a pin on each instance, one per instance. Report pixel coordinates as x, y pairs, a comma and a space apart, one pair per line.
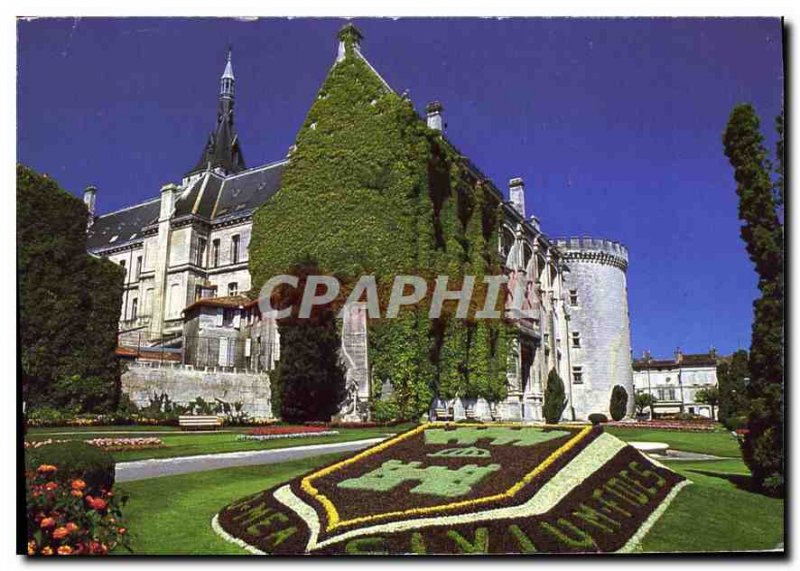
333, 515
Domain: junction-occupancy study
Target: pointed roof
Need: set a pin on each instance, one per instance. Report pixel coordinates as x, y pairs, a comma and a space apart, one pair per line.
228, 73
222, 149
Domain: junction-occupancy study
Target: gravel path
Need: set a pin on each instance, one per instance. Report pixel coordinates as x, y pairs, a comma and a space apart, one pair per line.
153, 468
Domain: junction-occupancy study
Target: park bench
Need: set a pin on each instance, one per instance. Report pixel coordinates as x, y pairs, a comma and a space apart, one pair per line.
443, 413
191, 422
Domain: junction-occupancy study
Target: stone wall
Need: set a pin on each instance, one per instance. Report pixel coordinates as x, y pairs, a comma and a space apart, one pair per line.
597, 273
184, 384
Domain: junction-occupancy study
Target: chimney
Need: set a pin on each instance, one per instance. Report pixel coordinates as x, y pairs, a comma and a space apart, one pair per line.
168, 194
678, 355
435, 117
90, 200
516, 191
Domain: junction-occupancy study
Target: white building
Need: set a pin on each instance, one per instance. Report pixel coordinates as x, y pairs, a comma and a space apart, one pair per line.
675, 382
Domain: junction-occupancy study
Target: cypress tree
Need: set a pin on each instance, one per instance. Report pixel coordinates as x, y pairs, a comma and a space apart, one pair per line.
762, 233
555, 399
619, 402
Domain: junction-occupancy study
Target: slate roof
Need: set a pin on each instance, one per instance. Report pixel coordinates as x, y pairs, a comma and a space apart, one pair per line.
687, 360
210, 198
123, 226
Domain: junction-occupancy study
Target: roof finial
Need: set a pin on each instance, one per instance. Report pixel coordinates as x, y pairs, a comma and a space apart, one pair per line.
349, 39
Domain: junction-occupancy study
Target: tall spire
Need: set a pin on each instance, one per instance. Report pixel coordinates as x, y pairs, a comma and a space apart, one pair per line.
222, 152
227, 80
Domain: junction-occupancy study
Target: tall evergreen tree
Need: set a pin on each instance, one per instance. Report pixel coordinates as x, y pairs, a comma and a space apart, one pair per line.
731, 374
555, 398
762, 233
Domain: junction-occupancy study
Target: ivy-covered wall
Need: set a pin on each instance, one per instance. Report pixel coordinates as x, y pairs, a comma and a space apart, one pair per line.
370, 189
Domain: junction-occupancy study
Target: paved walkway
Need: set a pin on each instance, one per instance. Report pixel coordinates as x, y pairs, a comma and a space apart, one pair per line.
155, 467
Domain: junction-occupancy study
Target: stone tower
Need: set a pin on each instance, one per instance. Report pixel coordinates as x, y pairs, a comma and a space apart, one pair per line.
598, 330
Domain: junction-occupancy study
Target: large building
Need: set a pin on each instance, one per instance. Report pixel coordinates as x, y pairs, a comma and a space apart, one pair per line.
674, 383
185, 252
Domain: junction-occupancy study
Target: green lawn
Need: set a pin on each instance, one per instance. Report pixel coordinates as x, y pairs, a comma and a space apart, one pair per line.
172, 515
179, 443
714, 514
715, 443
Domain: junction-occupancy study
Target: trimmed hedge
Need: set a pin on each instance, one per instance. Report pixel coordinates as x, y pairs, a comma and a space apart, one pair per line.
597, 418
619, 402
75, 459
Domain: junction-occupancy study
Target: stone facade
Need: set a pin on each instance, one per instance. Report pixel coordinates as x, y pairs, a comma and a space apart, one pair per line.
184, 384
186, 258
598, 331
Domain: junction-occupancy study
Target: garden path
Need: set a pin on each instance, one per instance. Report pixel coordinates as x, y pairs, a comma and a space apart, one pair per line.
153, 468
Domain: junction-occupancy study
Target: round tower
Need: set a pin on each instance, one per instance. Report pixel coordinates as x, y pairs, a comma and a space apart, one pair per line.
599, 334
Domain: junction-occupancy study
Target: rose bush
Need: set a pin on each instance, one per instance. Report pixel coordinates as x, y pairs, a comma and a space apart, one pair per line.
63, 519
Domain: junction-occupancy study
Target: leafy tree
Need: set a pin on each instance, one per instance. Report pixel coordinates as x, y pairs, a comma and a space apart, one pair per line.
709, 396
731, 374
311, 376
619, 402
555, 399
69, 302
643, 401
762, 233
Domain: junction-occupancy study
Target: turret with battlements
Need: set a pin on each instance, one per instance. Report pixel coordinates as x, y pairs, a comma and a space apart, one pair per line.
596, 298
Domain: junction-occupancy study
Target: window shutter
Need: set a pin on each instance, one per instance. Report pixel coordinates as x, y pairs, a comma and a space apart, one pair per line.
237, 319
247, 347
219, 316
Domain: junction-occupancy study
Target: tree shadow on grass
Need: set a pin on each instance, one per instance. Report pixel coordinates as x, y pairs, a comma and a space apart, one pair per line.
741, 481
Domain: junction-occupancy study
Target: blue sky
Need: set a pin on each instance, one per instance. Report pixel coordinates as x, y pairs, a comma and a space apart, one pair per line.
615, 125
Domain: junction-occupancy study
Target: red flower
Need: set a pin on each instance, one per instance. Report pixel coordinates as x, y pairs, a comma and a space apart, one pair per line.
72, 527
96, 503
78, 484
60, 533
77, 493
47, 522
65, 550
50, 486
47, 551
121, 530
46, 469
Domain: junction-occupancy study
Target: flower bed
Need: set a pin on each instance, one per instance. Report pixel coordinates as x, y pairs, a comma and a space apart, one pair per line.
110, 444
449, 489
63, 520
276, 432
682, 425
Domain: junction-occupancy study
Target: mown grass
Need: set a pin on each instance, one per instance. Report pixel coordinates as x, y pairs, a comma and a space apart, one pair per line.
717, 443
177, 443
172, 515
717, 512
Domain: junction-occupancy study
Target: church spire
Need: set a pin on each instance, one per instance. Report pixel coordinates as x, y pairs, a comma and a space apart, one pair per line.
222, 152
227, 80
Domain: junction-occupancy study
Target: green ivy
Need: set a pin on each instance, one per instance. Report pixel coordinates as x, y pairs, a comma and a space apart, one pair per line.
370, 189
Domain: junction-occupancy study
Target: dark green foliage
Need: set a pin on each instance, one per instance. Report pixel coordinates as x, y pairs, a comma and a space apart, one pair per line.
312, 377
619, 402
69, 302
731, 376
555, 399
597, 418
762, 233
75, 459
370, 189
